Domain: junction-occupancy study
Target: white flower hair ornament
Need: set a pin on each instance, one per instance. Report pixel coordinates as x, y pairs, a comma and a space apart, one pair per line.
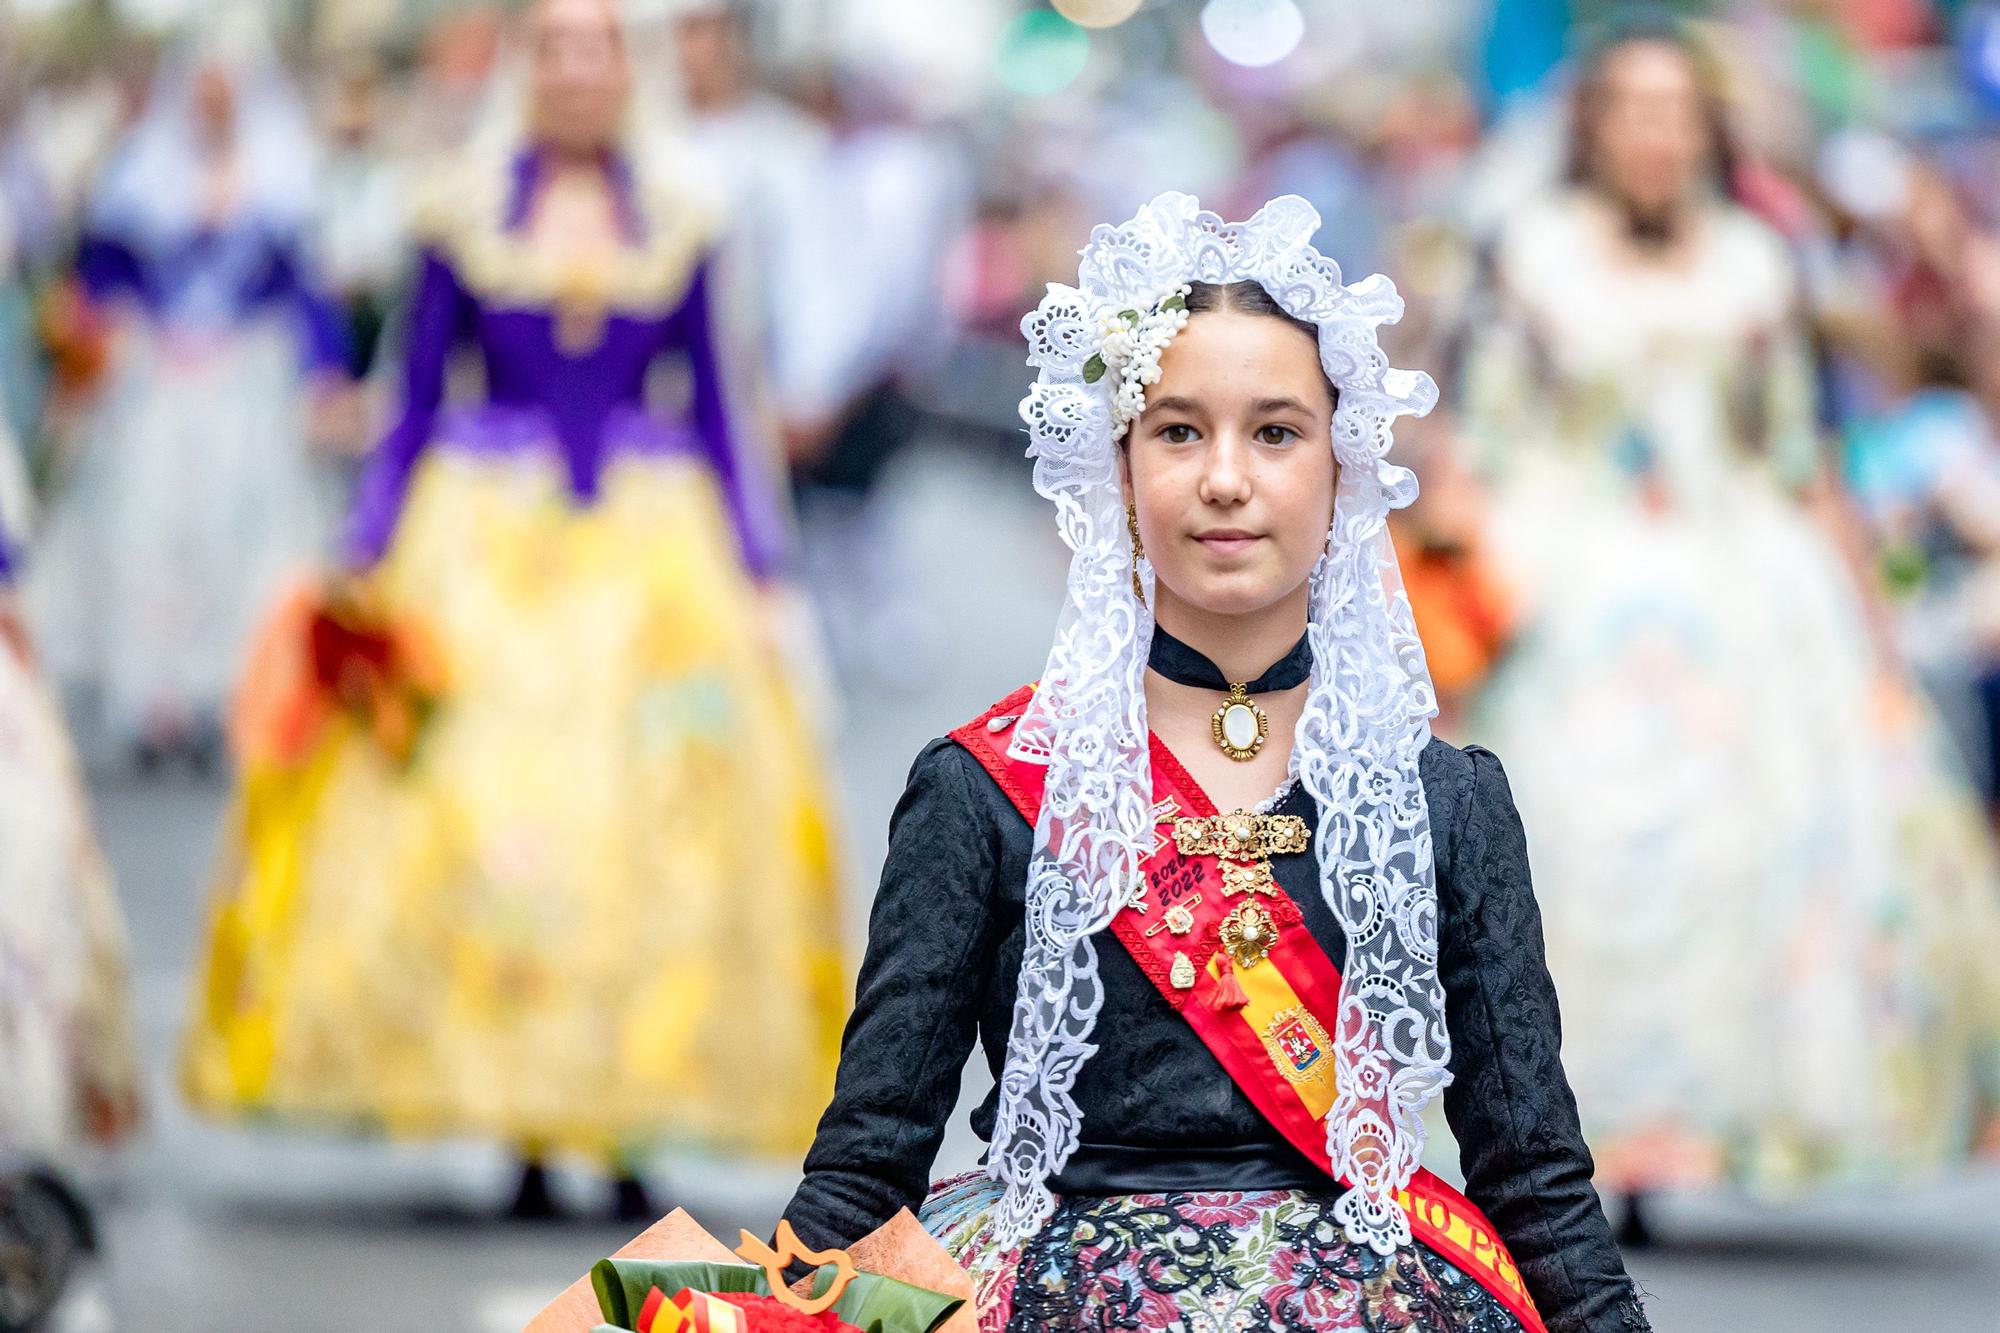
1356, 750
1130, 351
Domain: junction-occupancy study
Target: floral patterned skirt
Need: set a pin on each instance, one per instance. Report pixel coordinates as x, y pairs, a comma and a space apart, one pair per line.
538, 925
69, 1073
1223, 1262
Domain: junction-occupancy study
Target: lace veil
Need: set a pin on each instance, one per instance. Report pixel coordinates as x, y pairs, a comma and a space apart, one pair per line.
1366, 721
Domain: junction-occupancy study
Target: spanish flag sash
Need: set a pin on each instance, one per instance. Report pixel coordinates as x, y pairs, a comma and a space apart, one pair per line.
1268, 1022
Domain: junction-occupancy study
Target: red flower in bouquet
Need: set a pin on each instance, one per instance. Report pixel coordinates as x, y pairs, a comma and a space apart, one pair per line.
768, 1314
692, 1311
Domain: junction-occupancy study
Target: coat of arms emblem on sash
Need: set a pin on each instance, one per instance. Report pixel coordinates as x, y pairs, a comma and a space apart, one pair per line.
1299, 1046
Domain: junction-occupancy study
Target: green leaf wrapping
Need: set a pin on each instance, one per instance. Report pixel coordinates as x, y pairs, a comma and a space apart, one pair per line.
1093, 370
876, 1304
622, 1284
1174, 302
872, 1303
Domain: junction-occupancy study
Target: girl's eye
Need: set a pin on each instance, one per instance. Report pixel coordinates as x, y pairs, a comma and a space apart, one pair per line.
1177, 433
1277, 435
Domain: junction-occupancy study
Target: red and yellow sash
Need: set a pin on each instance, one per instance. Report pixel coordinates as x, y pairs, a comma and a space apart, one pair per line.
1277, 1046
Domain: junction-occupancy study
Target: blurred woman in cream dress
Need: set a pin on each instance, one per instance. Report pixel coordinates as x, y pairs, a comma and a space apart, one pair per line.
1770, 900
68, 1070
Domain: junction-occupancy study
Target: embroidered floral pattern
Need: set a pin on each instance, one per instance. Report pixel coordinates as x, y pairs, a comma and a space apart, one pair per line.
1271, 1261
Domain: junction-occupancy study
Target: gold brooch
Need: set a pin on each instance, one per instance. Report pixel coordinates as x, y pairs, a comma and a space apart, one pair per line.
1182, 974
1239, 877
1248, 933
1240, 836
1239, 726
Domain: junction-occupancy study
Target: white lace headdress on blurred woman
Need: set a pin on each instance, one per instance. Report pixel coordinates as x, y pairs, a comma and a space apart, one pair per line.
1366, 721
150, 193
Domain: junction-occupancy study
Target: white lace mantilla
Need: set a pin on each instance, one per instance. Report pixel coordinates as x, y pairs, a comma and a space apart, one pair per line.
1366, 721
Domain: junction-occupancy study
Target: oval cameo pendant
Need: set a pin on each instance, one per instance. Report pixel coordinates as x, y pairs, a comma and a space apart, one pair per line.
1239, 726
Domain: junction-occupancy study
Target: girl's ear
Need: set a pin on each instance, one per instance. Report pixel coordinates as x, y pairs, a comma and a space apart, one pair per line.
1125, 471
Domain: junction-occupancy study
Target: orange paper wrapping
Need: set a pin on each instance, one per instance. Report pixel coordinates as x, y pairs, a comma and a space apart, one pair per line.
675, 1236
900, 1248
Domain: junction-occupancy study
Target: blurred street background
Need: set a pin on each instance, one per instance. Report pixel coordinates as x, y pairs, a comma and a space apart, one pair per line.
210, 1223
899, 180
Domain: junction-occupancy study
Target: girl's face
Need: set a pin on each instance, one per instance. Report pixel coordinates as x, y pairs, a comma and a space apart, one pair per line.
580, 76
1650, 143
1231, 467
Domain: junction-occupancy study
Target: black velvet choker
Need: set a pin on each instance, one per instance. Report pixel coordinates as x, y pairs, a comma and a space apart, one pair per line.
1188, 666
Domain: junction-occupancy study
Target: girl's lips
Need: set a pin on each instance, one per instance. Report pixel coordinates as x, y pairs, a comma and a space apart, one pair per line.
1227, 542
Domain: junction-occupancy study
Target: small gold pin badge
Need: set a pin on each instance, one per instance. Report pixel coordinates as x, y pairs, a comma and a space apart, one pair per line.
1183, 972
1179, 919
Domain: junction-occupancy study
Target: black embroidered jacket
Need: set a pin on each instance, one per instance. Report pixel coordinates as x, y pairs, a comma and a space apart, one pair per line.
1159, 1112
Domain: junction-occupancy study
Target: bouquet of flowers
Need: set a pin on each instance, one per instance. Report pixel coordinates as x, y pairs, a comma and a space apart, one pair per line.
334, 649
76, 335
673, 1280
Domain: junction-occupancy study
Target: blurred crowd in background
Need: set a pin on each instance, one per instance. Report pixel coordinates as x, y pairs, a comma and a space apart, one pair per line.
900, 185
895, 184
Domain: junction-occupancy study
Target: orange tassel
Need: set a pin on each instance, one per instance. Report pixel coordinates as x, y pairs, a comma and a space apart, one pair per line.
1229, 992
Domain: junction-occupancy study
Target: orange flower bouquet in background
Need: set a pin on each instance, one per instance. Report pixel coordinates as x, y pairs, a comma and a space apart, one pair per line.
76, 336
1463, 614
676, 1278
332, 650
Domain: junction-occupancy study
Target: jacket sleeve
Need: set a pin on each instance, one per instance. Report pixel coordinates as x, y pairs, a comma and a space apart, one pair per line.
1509, 1103
748, 486
930, 944
322, 332
440, 314
108, 268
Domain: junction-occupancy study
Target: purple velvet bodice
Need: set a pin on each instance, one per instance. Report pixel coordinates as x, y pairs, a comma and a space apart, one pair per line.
589, 405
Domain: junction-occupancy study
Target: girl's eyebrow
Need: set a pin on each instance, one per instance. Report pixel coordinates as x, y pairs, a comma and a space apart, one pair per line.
1280, 405
1173, 404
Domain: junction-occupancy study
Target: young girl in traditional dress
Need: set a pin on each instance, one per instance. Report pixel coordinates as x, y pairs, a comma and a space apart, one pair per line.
555, 866
1224, 915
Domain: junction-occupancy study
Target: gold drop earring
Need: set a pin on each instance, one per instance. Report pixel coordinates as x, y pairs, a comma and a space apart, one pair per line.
1138, 551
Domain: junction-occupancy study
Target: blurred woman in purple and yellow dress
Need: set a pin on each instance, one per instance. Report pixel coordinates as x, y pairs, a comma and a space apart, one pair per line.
194, 493
591, 905
1770, 900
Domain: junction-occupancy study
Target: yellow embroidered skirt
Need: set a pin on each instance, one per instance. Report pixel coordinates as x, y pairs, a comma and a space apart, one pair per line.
595, 908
